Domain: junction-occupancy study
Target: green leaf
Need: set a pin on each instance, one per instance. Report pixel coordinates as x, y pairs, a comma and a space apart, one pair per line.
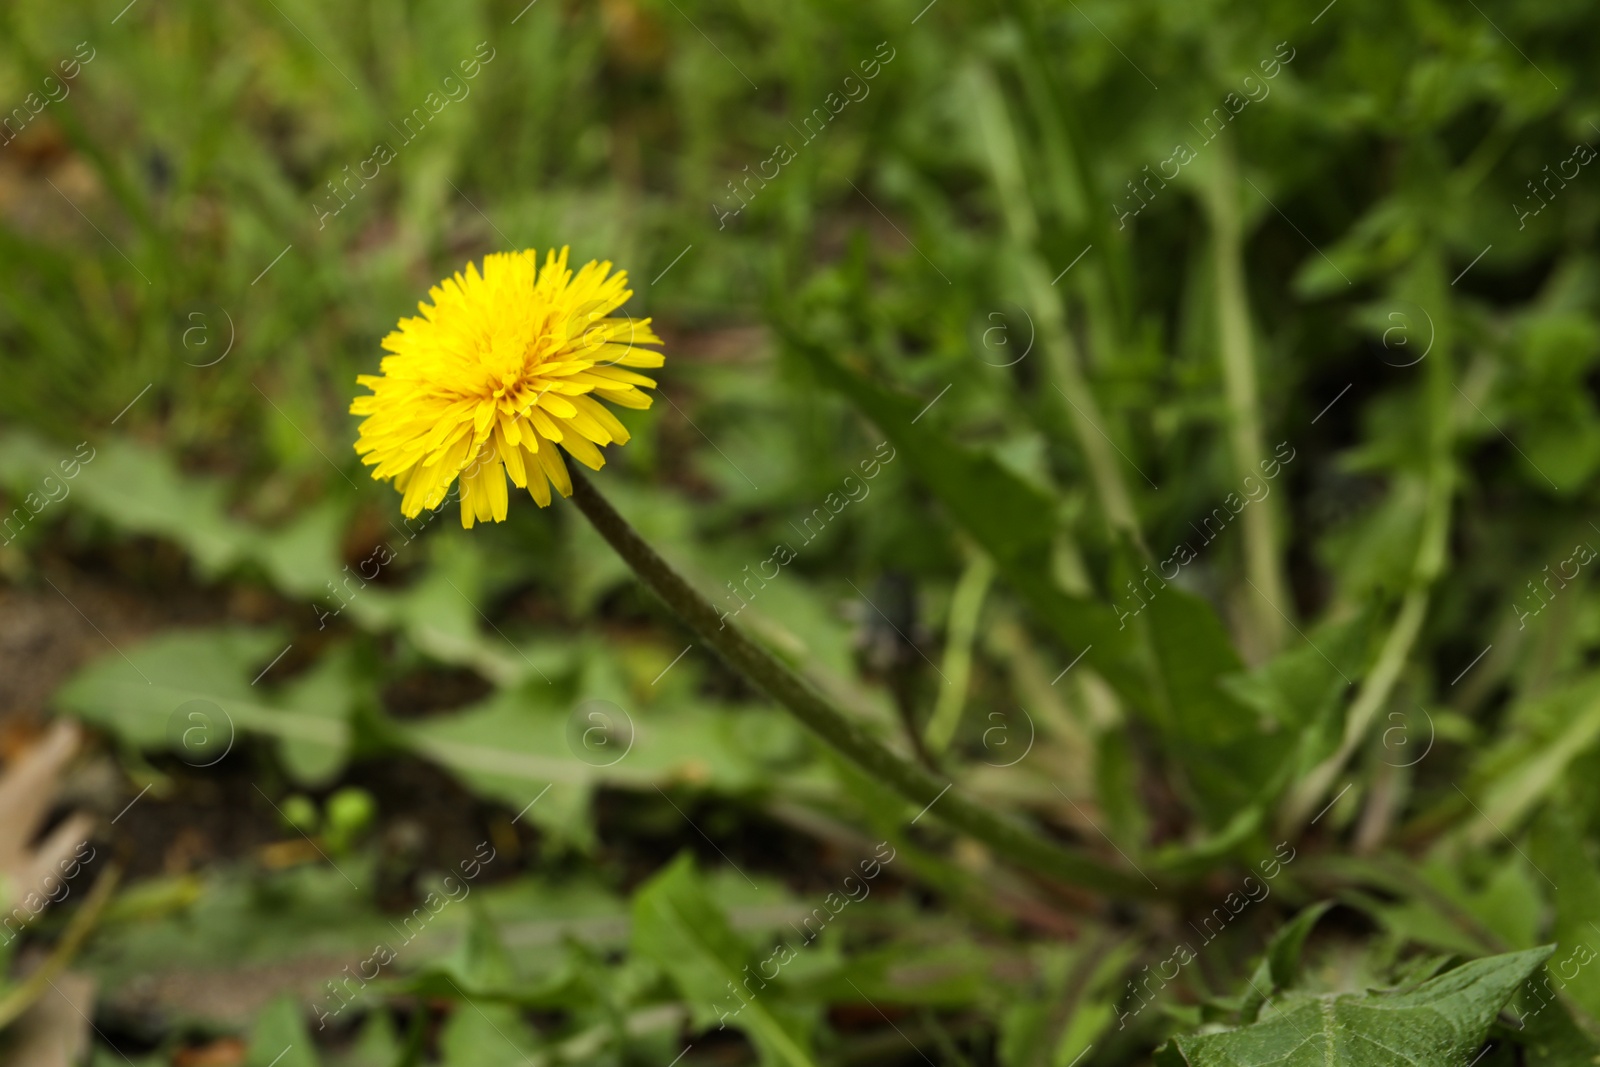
1438, 1024
524, 738
679, 927
1217, 738
1058, 1023
241, 918
280, 1038
191, 692
328, 691
1220, 742
1562, 854
1550, 733
486, 1035
303, 555
1550, 1038
1296, 688
378, 1045
1013, 521
142, 491
478, 966
1282, 962
1283, 954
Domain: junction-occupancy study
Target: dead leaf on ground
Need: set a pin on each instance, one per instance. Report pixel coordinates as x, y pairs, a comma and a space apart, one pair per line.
54, 1031
32, 872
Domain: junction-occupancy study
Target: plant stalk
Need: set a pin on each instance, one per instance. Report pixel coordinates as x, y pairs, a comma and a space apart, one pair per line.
1235, 346
1429, 563
840, 733
965, 607
22, 997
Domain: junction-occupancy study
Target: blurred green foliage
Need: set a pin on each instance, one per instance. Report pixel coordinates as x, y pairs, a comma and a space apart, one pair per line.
1250, 350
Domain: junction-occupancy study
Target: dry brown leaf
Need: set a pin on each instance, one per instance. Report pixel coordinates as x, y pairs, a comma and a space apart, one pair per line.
27, 791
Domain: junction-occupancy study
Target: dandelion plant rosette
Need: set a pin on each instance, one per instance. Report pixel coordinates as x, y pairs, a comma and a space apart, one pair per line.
503, 366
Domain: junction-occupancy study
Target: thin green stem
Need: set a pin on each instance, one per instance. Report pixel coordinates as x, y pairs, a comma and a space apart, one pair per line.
1370, 699
840, 733
1244, 412
965, 607
1427, 566
19, 999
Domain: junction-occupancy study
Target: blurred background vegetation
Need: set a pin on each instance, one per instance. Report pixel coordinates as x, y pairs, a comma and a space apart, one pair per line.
1308, 291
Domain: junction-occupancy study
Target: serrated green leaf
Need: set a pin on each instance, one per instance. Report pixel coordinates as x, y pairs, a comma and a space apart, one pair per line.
1438, 1024
191, 691
520, 740
678, 926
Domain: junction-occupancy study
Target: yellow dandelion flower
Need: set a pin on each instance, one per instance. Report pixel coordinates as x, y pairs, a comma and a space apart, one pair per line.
503, 366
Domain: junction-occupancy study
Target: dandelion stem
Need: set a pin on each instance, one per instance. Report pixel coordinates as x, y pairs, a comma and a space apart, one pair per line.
846, 737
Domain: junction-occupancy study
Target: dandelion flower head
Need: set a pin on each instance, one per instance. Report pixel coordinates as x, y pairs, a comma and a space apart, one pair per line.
503, 366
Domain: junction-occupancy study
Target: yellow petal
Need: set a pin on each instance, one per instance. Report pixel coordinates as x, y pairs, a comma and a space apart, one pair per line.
601, 414
585, 452
538, 480
545, 426
627, 396
550, 460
